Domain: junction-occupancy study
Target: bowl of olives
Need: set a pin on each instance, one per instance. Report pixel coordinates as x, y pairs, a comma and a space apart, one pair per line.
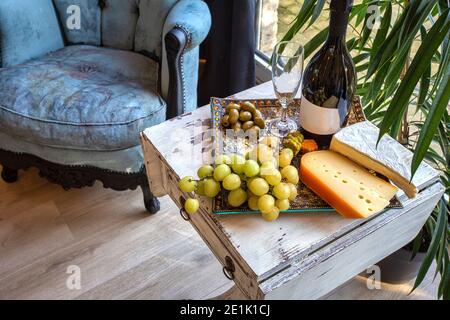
243, 116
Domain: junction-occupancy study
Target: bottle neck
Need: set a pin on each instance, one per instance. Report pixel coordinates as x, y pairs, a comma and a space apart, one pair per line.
338, 24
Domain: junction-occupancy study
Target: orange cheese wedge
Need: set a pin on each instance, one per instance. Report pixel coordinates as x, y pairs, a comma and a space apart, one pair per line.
349, 188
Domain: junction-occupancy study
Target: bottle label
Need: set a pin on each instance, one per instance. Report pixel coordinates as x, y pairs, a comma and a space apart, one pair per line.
318, 120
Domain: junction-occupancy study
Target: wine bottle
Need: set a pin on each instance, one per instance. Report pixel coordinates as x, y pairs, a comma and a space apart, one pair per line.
329, 81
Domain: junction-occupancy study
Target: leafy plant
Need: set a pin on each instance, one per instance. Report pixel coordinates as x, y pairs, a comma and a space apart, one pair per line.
403, 66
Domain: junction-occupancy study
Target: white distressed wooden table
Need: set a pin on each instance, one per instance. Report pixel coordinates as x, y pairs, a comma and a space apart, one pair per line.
299, 256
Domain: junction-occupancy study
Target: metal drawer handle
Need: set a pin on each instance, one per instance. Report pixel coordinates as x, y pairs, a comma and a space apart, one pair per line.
228, 273
183, 212
229, 269
184, 215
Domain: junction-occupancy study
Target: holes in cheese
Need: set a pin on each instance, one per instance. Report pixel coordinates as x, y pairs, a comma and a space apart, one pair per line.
349, 188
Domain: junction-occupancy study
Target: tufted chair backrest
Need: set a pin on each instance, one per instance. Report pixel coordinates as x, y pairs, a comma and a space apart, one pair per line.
135, 25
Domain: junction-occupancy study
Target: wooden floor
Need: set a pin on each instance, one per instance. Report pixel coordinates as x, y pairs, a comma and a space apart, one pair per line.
122, 252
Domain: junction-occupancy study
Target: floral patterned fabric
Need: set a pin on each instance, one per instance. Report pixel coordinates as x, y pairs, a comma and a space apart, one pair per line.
81, 97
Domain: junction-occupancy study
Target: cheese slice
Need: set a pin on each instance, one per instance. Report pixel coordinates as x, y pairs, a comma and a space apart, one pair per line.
389, 158
349, 188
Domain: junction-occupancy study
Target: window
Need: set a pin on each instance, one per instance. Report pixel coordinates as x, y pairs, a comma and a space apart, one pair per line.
272, 21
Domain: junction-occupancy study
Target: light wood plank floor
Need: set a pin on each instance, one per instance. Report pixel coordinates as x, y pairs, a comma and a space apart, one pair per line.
123, 253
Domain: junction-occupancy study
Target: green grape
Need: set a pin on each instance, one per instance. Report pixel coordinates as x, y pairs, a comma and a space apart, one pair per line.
285, 158
282, 191
201, 188
223, 159
274, 179
266, 203
274, 161
231, 182
267, 168
187, 184
221, 172
288, 152
247, 184
251, 168
283, 205
265, 153
191, 206
290, 173
211, 187
294, 191
253, 203
249, 180
272, 215
238, 163
271, 141
205, 171
237, 198
259, 187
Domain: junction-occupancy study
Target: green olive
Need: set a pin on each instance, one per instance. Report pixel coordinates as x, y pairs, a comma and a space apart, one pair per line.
247, 125
260, 123
245, 116
225, 121
233, 106
237, 126
233, 116
247, 106
258, 114
253, 131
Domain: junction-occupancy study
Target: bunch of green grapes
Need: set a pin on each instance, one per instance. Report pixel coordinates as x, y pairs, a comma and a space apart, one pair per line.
260, 180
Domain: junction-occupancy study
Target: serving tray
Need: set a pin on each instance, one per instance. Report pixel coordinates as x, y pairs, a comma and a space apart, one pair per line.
307, 200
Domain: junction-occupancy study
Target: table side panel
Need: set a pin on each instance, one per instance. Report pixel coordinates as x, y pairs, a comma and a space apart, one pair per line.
271, 247
154, 168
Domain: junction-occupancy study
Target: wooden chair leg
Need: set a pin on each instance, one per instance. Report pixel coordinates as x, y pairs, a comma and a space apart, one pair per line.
150, 201
9, 175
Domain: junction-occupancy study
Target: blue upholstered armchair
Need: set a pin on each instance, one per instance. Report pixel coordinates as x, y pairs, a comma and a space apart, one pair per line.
80, 79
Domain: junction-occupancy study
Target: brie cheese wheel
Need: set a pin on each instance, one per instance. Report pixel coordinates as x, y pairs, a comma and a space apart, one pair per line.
358, 142
348, 187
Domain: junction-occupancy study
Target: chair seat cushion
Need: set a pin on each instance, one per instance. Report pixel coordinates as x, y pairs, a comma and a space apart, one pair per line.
81, 97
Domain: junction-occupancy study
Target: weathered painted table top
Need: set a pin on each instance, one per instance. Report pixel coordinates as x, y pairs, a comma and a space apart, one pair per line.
266, 247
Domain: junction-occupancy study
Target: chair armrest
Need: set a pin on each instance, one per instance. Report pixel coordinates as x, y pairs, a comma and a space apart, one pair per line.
176, 42
186, 26
193, 17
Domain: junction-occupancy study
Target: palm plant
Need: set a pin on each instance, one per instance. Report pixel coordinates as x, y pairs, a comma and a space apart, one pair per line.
403, 65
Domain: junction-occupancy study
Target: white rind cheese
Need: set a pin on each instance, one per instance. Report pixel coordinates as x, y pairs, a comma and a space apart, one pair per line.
359, 143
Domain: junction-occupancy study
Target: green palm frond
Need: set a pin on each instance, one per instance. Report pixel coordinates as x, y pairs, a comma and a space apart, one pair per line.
404, 71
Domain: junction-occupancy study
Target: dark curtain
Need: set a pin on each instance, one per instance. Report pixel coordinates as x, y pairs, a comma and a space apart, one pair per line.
228, 50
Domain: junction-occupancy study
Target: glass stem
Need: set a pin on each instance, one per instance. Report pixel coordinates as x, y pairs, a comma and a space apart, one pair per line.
284, 105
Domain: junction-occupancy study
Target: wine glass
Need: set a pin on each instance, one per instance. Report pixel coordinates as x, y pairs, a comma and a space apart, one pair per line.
287, 75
